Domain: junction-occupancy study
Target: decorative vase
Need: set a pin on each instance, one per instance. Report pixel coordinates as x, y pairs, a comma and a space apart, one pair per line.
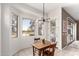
43, 41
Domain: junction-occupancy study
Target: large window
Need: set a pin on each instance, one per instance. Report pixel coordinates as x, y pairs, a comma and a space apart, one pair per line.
27, 27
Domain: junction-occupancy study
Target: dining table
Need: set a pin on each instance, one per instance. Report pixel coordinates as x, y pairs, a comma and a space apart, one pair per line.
41, 46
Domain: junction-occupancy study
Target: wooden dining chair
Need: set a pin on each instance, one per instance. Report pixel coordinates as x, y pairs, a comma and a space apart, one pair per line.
36, 39
36, 50
49, 51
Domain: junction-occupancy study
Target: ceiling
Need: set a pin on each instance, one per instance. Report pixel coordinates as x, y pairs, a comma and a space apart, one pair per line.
72, 9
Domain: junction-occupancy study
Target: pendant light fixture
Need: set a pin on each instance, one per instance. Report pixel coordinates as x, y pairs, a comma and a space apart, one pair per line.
44, 19
43, 12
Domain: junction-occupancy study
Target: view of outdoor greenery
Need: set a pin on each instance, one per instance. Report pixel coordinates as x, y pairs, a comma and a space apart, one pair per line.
28, 27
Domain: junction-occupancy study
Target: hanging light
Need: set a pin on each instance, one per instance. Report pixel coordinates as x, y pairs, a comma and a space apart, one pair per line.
43, 12
43, 19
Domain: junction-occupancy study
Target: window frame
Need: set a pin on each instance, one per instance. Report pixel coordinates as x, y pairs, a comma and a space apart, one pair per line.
22, 26
12, 13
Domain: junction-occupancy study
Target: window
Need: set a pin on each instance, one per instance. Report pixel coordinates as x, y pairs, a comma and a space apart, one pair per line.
14, 25
27, 27
40, 30
53, 30
52, 26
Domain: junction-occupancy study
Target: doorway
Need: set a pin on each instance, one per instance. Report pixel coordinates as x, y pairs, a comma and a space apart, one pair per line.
71, 33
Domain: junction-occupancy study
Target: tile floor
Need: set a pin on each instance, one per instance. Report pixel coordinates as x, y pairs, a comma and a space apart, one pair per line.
71, 50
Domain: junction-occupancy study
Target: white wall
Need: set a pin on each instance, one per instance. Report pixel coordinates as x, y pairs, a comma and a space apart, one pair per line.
5, 28
56, 14
0, 29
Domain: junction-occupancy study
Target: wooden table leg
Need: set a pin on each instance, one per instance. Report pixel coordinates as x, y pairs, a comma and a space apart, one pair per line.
43, 52
39, 52
33, 51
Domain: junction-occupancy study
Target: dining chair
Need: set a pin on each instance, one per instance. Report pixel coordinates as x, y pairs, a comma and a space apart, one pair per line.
49, 51
36, 50
36, 39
